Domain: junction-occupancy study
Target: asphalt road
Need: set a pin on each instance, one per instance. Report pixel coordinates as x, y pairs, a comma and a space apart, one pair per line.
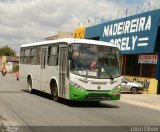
24, 109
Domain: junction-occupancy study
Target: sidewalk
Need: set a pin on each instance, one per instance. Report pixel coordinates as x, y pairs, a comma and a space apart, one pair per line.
143, 100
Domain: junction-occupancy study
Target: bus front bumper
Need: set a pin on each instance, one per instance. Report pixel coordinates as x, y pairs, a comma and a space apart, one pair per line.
88, 95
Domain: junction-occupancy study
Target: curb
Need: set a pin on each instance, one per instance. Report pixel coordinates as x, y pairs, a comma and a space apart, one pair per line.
141, 104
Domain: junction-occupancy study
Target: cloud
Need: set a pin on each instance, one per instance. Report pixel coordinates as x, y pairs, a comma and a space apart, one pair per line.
26, 21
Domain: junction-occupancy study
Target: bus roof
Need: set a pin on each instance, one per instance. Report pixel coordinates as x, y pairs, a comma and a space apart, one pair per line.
69, 41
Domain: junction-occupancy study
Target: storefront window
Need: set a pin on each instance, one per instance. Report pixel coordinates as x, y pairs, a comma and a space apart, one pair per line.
132, 67
148, 70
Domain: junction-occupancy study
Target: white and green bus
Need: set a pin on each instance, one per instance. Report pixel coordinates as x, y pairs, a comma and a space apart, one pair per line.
74, 69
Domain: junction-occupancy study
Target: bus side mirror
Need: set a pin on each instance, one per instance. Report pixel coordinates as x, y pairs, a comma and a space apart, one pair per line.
70, 52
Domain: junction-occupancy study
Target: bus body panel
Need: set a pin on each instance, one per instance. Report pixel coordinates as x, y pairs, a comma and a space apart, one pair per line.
94, 95
92, 84
49, 74
97, 89
34, 71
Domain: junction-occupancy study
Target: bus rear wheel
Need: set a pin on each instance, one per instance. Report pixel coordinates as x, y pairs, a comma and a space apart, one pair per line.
29, 80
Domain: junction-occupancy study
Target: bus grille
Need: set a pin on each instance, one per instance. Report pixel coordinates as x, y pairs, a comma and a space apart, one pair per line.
98, 96
99, 83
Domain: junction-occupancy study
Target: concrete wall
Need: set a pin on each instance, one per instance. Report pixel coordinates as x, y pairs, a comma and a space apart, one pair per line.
150, 84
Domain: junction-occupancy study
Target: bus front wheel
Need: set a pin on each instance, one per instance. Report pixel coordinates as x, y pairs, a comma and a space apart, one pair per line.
55, 94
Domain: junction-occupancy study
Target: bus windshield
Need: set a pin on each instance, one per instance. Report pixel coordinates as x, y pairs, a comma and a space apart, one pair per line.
95, 61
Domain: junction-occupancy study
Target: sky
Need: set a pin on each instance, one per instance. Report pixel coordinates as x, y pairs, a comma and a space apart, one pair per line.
27, 21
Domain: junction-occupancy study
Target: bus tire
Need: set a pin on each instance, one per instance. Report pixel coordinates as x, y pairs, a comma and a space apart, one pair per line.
54, 91
30, 89
55, 94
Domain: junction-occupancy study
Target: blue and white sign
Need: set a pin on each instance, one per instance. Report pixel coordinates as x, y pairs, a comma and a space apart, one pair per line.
134, 34
137, 25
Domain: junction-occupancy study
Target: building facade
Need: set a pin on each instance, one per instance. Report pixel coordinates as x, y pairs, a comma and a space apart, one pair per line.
9, 63
138, 38
60, 35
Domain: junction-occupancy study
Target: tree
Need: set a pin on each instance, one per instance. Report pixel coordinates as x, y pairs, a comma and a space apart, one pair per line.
7, 51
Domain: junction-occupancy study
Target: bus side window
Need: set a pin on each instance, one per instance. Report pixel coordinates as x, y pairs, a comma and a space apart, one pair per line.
34, 57
27, 56
52, 56
38, 55
22, 56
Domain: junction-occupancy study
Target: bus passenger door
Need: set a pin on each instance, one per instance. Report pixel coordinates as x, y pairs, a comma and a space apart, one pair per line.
43, 66
62, 71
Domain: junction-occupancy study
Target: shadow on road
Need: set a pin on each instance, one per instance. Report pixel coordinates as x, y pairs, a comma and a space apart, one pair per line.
78, 104
124, 92
39, 93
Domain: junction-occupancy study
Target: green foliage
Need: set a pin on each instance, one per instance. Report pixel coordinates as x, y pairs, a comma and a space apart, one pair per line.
7, 51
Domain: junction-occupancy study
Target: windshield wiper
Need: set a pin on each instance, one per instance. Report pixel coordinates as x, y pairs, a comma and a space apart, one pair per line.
111, 77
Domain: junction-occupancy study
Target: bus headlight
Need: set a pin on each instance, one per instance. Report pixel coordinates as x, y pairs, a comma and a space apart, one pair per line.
117, 87
117, 90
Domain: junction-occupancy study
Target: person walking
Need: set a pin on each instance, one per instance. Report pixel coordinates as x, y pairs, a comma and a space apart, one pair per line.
4, 71
17, 75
